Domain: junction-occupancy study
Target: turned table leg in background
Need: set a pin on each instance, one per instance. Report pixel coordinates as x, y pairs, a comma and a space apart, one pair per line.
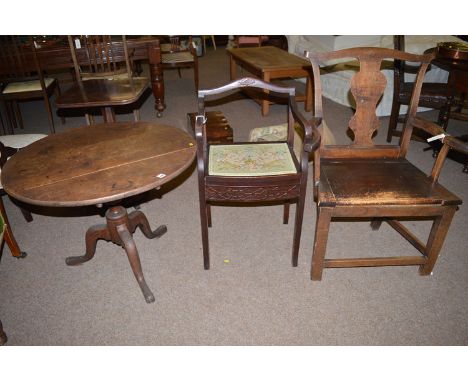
157, 77
118, 229
232, 68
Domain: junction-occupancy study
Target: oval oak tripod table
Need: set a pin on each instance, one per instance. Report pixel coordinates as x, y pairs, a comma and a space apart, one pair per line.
97, 165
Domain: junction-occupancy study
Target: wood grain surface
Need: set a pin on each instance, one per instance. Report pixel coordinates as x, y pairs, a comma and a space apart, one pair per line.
98, 164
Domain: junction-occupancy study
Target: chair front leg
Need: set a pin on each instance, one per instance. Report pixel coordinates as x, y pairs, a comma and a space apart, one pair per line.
436, 239
286, 212
204, 232
322, 226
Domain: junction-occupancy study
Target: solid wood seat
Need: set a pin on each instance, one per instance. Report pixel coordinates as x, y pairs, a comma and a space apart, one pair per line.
362, 180
380, 181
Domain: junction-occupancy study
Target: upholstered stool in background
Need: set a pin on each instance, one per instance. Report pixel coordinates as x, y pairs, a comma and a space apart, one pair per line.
279, 133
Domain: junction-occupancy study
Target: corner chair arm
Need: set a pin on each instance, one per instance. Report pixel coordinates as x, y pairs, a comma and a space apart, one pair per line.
315, 122
311, 134
200, 139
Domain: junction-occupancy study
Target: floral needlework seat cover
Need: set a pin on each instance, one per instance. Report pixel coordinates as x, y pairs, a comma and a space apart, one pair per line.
251, 160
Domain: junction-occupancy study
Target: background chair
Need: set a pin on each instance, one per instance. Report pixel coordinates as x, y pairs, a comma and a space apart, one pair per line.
434, 95
3, 337
21, 79
249, 41
204, 38
98, 60
9, 145
253, 172
363, 180
179, 52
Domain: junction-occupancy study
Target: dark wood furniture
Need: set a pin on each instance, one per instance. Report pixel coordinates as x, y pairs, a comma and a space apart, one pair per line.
246, 175
179, 52
269, 63
9, 145
22, 79
100, 81
3, 336
249, 41
101, 166
217, 127
434, 95
453, 57
9, 237
363, 180
56, 55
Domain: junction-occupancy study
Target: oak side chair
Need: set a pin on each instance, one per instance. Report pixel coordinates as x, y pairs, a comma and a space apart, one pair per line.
253, 171
434, 95
22, 79
363, 180
104, 77
249, 41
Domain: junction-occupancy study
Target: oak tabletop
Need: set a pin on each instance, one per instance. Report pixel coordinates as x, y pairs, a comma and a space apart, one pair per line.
268, 58
98, 164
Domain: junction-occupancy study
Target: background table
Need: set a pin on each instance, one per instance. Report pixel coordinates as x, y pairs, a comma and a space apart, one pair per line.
90, 93
268, 63
101, 164
55, 54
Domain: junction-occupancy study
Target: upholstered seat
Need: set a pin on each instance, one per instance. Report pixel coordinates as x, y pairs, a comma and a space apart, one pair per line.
22, 79
250, 160
176, 57
90, 76
27, 86
280, 133
9, 145
18, 141
180, 52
